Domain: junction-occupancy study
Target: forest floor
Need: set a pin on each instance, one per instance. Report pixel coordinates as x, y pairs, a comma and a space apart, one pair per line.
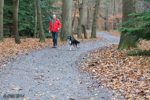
54, 74
117, 70
9, 50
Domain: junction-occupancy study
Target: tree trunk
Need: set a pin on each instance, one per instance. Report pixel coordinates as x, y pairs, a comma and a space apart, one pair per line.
40, 22
128, 8
67, 19
95, 17
73, 21
88, 18
15, 20
74, 15
106, 16
83, 19
35, 20
1, 19
114, 13
84, 31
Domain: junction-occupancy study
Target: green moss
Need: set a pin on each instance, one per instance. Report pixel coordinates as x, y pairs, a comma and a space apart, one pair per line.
139, 53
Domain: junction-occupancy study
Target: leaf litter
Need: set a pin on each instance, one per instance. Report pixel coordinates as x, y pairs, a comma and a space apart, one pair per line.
130, 75
9, 49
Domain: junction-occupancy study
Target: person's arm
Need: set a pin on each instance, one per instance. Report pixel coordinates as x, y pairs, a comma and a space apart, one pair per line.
59, 24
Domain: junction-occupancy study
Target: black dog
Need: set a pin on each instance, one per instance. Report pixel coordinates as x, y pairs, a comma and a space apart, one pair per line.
72, 42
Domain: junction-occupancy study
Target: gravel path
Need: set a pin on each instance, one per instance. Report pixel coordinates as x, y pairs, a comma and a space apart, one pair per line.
53, 74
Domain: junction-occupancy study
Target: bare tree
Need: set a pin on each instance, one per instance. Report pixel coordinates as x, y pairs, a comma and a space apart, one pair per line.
75, 12
40, 23
83, 19
35, 20
95, 17
66, 19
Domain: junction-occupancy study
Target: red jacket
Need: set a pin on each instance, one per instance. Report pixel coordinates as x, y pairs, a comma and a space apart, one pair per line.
54, 26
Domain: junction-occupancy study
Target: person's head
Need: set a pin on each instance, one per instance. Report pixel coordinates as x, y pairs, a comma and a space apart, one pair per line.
54, 16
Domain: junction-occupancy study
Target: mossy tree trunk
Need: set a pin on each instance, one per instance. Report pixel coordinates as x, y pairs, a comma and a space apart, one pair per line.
15, 21
66, 19
95, 17
1, 19
127, 41
128, 8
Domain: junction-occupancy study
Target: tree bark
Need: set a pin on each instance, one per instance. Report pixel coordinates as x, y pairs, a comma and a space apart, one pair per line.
35, 20
95, 17
1, 19
128, 8
83, 19
88, 18
74, 15
67, 19
106, 15
114, 13
84, 31
15, 21
40, 22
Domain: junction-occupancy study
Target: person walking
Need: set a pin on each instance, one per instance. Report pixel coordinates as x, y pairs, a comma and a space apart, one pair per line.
54, 27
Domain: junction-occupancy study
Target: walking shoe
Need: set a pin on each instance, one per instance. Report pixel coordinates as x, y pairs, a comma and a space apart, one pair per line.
54, 47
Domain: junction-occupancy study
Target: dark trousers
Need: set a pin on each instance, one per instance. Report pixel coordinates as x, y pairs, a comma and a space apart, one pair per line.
55, 38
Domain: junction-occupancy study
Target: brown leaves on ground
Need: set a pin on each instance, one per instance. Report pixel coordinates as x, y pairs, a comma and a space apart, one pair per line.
144, 45
9, 48
115, 69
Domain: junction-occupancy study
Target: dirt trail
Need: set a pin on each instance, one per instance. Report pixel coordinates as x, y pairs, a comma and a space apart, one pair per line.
53, 74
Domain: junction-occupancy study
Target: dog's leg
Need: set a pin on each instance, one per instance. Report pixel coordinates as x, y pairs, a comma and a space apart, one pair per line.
70, 48
76, 46
68, 45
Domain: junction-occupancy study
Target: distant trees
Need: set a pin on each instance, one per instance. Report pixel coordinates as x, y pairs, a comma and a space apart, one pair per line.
1, 19
21, 18
34, 16
66, 19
